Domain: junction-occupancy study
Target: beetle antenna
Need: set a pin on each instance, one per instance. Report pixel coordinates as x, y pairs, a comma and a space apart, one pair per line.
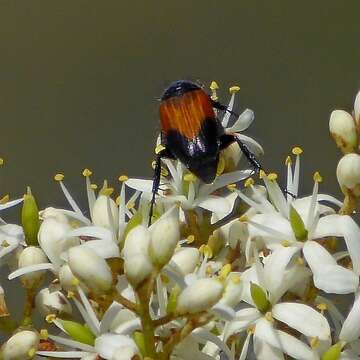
221, 107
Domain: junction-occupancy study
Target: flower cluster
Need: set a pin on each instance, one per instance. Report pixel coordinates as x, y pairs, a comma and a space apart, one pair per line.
228, 270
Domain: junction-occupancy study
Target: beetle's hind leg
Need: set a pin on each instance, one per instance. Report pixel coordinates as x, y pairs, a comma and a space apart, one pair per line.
227, 139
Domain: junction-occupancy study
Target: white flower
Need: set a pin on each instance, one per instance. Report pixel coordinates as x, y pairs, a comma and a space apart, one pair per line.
111, 334
52, 301
185, 260
273, 279
297, 222
11, 239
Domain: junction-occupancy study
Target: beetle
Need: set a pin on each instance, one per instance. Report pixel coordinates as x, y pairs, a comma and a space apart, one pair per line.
192, 133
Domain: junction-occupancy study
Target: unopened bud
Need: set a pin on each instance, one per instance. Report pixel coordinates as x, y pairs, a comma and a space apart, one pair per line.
186, 259
199, 296
30, 218
343, 130
32, 255
138, 265
105, 212
21, 346
357, 109
165, 235
348, 174
90, 268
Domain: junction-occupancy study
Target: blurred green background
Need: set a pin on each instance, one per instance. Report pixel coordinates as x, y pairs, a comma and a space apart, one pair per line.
80, 81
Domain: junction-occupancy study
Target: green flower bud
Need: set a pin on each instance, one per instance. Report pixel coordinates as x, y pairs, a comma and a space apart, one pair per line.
30, 218
297, 225
259, 297
78, 332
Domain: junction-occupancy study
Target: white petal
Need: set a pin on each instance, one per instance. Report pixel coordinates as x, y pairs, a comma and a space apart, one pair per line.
351, 328
214, 203
71, 343
223, 180
244, 120
283, 341
357, 107
293, 314
223, 311
253, 145
63, 354
264, 351
104, 248
30, 269
107, 344
317, 256
227, 114
140, 185
274, 269
109, 316
245, 347
97, 232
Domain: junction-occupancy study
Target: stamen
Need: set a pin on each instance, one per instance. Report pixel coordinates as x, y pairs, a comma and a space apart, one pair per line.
272, 176
59, 177
224, 272
44, 334
235, 279
190, 239
206, 251
214, 85
249, 182
231, 187
190, 177
93, 186
314, 342
50, 318
159, 148
86, 172
2, 161
5, 199
234, 89
297, 150
317, 177
288, 161
262, 174
322, 307
123, 178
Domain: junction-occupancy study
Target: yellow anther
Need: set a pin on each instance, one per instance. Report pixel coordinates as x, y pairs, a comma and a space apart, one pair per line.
93, 186
31, 353
123, 178
209, 270
288, 161
300, 261
86, 172
206, 251
269, 317
214, 85
5, 244
190, 239
164, 172
190, 177
165, 279
297, 150
314, 342
322, 307
235, 279
70, 294
130, 205
285, 243
262, 174
2, 161
5, 199
250, 330
59, 177
117, 200
221, 166
44, 334
234, 89
317, 177
75, 281
272, 177
243, 218
159, 148
50, 318
225, 271
249, 182
231, 187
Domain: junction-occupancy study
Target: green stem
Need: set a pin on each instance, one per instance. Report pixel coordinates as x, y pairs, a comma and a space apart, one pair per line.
29, 305
144, 292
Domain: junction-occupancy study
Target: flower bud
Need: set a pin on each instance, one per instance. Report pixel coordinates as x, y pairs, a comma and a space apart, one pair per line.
199, 296
52, 235
343, 130
52, 302
67, 278
90, 268
21, 346
138, 265
32, 255
105, 212
357, 109
30, 218
3, 308
165, 235
186, 259
348, 174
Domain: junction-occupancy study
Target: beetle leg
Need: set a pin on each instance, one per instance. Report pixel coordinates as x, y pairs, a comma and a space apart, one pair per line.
156, 179
221, 107
227, 139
